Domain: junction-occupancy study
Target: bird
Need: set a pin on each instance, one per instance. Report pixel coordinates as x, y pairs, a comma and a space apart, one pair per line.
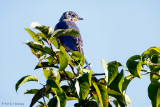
70, 43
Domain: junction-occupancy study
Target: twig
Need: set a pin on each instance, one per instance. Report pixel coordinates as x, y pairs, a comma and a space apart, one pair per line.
43, 96
151, 72
72, 69
87, 65
146, 72
127, 71
153, 63
98, 74
92, 75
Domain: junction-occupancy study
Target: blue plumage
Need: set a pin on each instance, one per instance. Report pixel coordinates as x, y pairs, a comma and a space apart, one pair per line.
71, 43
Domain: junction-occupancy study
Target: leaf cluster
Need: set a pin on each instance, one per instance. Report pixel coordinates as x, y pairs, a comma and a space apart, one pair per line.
82, 84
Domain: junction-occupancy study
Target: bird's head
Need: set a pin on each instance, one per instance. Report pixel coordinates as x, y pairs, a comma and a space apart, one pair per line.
70, 16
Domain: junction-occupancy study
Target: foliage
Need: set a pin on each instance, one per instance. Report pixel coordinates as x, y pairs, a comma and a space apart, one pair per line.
82, 84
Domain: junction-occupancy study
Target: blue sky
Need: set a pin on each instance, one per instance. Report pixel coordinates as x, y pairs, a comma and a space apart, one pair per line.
111, 29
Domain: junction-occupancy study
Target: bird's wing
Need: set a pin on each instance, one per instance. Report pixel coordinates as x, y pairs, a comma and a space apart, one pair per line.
71, 43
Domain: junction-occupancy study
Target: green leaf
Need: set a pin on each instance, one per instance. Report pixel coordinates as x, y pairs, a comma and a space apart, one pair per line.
32, 91
151, 51
33, 35
117, 82
128, 100
134, 66
78, 57
116, 85
155, 59
49, 73
112, 92
41, 35
91, 104
98, 93
58, 77
38, 95
37, 53
63, 62
126, 81
41, 104
72, 98
115, 102
62, 49
63, 75
113, 70
77, 88
104, 94
42, 38
40, 47
90, 77
105, 67
61, 95
52, 102
95, 96
45, 65
46, 30
67, 32
152, 56
25, 79
67, 90
121, 100
84, 86
86, 70
55, 42
154, 93
89, 71
157, 70
51, 60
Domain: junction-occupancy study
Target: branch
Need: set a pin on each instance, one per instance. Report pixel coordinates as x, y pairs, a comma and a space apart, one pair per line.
43, 96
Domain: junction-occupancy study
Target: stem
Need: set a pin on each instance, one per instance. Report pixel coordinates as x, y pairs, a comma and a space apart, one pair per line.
43, 96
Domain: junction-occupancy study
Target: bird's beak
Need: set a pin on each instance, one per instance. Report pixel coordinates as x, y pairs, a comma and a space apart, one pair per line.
79, 18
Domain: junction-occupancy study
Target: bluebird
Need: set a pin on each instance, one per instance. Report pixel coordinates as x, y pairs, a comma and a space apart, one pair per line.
68, 21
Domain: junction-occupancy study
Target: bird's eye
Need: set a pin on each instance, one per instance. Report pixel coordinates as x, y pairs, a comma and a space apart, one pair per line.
73, 15
69, 13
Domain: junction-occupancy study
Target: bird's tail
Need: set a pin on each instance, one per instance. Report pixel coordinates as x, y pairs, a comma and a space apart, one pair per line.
88, 65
